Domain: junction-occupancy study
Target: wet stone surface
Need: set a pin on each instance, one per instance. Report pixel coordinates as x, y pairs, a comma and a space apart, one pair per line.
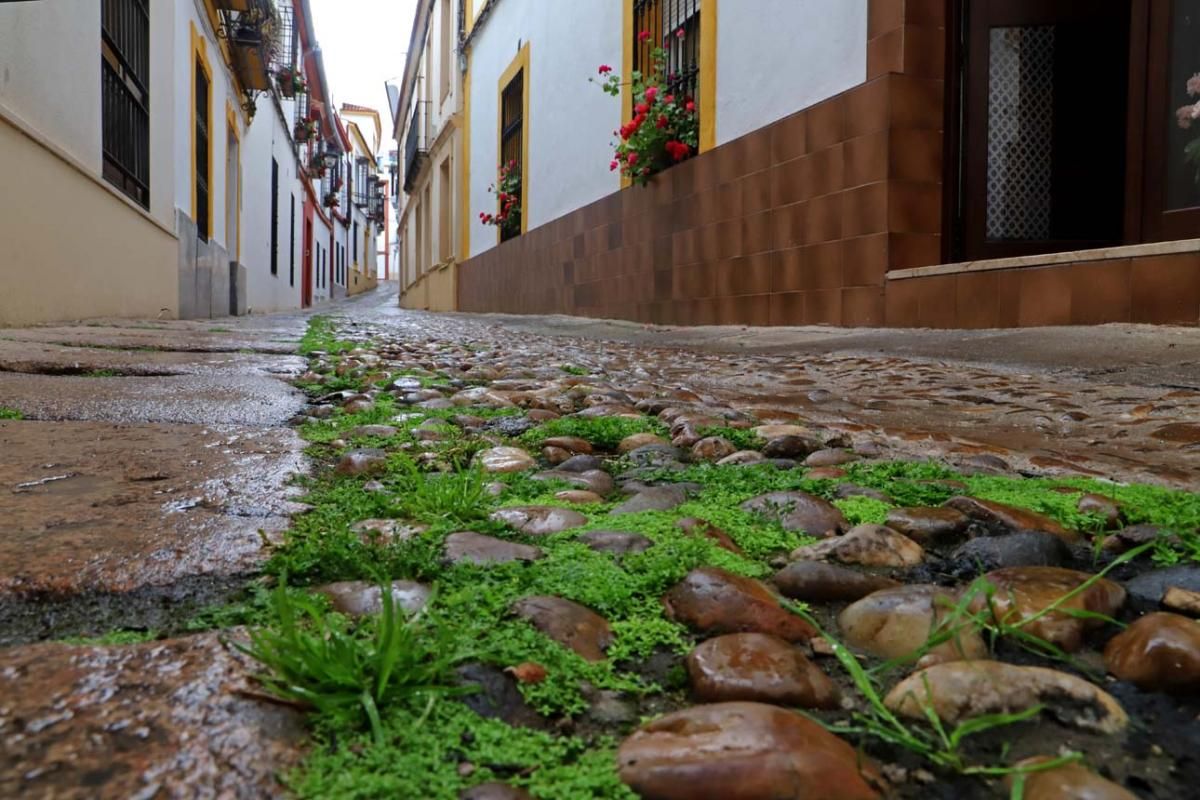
620, 574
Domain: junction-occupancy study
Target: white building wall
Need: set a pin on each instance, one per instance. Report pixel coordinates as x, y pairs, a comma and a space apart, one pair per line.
785, 56
222, 91
50, 81
571, 122
267, 138
322, 261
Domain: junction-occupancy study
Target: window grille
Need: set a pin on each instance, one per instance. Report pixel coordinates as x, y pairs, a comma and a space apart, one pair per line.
203, 224
673, 25
125, 96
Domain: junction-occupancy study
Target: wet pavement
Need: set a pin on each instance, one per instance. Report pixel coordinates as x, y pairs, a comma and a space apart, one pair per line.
153, 468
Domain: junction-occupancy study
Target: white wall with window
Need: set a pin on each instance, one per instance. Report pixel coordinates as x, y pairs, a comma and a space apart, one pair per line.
571, 121
270, 241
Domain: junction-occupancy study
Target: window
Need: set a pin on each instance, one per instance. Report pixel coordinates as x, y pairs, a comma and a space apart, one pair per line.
356, 242
674, 25
445, 53
446, 214
274, 217
125, 96
292, 247
512, 139
200, 142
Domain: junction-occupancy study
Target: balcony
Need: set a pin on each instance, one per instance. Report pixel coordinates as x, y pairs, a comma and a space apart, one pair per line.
252, 28
416, 145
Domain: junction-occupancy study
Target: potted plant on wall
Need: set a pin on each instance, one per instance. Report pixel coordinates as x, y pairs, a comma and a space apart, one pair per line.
507, 189
664, 128
305, 130
331, 200
291, 82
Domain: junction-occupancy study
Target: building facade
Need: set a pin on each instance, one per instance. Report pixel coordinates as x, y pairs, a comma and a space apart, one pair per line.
432, 228
164, 152
856, 162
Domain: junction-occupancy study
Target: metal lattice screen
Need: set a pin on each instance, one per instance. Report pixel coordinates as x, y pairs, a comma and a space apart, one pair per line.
1020, 133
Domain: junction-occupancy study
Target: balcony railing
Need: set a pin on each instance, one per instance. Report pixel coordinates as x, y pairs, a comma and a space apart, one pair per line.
416, 144
252, 28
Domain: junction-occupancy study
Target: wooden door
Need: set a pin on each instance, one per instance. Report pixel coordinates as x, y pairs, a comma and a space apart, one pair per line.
1042, 159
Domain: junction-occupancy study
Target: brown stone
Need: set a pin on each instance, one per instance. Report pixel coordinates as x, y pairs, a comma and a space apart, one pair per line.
579, 497
368, 461
698, 527
618, 543
759, 668
925, 525
819, 582
504, 459
962, 690
713, 448
713, 601
895, 623
829, 458
1067, 782
800, 512
1159, 652
867, 545
475, 548
636, 440
741, 458
1104, 507
1024, 592
360, 598
742, 751
180, 715
791, 446
1000, 519
568, 623
572, 444
385, 531
539, 520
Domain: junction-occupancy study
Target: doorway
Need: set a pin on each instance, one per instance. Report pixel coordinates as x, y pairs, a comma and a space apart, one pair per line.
1043, 125
306, 265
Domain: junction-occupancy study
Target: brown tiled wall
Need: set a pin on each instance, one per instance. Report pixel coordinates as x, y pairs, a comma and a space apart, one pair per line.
795, 223
1151, 289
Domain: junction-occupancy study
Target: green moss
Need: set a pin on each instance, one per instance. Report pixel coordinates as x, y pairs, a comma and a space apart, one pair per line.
863, 510
10, 413
741, 438
604, 433
114, 638
321, 337
423, 753
571, 369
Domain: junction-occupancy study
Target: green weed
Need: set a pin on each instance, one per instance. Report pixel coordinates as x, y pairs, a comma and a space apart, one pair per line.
321, 337
118, 637
347, 674
604, 433
741, 438
571, 369
10, 413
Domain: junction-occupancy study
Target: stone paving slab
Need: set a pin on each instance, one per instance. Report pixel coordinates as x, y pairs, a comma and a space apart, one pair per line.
222, 398
93, 508
221, 336
175, 718
55, 359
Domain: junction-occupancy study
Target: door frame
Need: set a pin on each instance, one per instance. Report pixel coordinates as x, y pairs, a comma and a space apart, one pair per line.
965, 165
306, 267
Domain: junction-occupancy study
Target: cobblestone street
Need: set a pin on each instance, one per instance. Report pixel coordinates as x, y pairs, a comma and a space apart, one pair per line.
629, 551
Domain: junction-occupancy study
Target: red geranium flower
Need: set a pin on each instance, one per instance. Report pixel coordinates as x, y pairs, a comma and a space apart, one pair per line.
612, 165
631, 159
689, 105
651, 93
605, 69
661, 122
641, 108
644, 36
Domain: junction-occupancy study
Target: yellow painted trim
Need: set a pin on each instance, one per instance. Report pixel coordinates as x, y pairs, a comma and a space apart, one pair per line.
626, 108
214, 20
468, 15
231, 119
199, 53
520, 62
464, 161
708, 74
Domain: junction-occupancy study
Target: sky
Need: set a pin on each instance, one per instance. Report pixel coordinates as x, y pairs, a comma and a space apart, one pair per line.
363, 44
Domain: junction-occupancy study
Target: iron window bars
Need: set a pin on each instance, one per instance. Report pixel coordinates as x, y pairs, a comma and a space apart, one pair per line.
125, 96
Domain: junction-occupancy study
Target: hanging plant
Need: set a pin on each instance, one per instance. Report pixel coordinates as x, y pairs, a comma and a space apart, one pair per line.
1187, 116
331, 200
507, 189
664, 129
305, 130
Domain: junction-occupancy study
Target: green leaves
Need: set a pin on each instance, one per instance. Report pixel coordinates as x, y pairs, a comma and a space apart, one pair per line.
349, 672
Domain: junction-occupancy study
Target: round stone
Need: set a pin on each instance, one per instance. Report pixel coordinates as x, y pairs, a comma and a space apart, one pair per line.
800, 512
568, 623
359, 598
505, 459
539, 520
895, 623
1025, 592
757, 667
866, 545
1159, 652
791, 446
1068, 782
819, 582
713, 601
713, 448
579, 497
618, 543
475, 548
999, 519
962, 690
368, 461
638, 440
742, 751
926, 525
